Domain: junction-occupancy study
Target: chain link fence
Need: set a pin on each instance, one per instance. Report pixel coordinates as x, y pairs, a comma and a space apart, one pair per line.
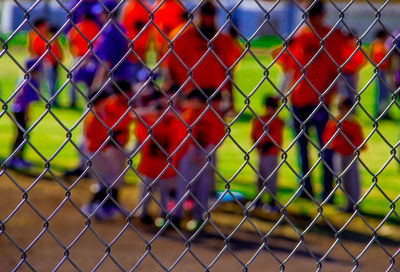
180, 136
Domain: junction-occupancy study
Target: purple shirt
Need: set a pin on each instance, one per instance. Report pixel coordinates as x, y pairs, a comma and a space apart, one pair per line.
84, 8
112, 47
26, 95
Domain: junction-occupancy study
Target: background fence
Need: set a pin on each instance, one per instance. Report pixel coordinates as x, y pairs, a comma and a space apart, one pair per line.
45, 223
248, 16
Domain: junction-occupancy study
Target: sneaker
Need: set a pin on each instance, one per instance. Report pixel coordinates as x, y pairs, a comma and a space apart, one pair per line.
387, 117
75, 173
346, 209
146, 219
88, 209
107, 213
188, 205
160, 222
171, 205
194, 225
256, 205
176, 222
270, 208
19, 163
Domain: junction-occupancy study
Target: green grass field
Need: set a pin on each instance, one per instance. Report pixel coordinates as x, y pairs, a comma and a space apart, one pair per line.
379, 172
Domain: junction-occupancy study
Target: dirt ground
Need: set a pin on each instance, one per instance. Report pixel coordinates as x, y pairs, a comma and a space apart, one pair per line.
43, 230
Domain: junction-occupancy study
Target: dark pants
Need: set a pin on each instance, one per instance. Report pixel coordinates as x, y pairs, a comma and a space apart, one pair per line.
383, 93
319, 120
20, 118
100, 195
52, 78
349, 86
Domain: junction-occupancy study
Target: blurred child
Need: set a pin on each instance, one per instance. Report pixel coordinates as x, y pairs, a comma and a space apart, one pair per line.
79, 46
26, 95
306, 95
38, 41
52, 62
349, 83
111, 48
267, 135
168, 16
379, 50
84, 8
158, 137
106, 152
196, 166
37, 37
348, 139
134, 18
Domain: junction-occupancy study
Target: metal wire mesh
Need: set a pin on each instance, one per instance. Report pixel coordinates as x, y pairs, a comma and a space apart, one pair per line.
226, 220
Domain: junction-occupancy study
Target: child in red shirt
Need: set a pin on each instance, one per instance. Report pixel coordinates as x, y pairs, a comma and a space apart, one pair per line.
191, 46
267, 136
345, 141
168, 16
79, 38
135, 18
38, 40
53, 62
378, 53
158, 137
197, 164
312, 70
29, 90
348, 83
110, 114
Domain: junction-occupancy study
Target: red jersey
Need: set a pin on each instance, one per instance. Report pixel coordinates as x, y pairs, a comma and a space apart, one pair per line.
351, 128
37, 46
209, 130
134, 18
274, 129
34, 47
79, 42
357, 60
114, 109
378, 53
190, 47
167, 17
321, 70
168, 133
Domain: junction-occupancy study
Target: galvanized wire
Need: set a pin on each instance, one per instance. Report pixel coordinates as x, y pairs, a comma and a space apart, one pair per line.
245, 210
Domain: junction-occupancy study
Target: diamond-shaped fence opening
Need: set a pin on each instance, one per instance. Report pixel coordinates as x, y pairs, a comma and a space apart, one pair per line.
177, 135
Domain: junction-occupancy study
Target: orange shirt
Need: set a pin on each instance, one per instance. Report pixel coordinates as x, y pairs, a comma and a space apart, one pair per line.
167, 17
322, 70
95, 133
79, 42
378, 53
209, 130
37, 46
274, 129
351, 128
117, 112
34, 47
114, 109
134, 17
190, 47
168, 133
